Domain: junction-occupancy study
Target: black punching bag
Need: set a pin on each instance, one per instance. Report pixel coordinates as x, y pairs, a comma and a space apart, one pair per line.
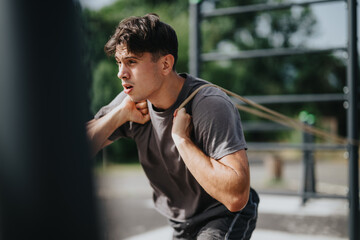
46, 182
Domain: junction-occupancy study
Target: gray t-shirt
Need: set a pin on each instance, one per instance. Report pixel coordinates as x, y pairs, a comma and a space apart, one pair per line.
217, 132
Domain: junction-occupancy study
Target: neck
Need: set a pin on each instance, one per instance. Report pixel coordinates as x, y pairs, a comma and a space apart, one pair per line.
170, 91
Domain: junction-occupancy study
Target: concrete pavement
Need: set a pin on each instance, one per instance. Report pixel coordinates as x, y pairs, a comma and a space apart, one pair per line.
259, 234
312, 221
127, 211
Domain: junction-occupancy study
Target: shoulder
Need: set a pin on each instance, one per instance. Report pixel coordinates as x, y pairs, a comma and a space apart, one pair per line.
212, 99
217, 123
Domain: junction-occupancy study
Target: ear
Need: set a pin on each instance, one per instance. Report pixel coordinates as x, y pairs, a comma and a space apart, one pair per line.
167, 63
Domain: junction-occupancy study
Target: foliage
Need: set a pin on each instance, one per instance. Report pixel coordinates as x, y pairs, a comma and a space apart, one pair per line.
105, 84
300, 74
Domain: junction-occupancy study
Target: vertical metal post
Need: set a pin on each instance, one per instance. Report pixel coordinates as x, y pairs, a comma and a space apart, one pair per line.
308, 182
194, 37
352, 120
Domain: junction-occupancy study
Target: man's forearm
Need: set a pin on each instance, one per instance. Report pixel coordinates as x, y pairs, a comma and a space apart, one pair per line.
228, 185
99, 130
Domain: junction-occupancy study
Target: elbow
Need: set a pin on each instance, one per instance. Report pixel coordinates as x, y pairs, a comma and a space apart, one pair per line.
238, 202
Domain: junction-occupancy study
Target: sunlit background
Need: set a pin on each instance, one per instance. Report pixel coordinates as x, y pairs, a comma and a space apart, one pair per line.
121, 183
44, 86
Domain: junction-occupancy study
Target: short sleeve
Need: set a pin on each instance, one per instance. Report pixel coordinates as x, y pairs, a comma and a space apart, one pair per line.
217, 125
106, 109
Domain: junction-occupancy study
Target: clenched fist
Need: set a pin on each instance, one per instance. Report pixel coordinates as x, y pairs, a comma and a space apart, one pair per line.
182, 125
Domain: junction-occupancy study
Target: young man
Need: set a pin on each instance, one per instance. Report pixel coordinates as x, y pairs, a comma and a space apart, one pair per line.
196, 165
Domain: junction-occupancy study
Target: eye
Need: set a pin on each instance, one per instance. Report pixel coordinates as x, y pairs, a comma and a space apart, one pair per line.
131, 62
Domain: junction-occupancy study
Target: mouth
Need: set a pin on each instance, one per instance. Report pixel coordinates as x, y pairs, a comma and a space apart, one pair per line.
127, 88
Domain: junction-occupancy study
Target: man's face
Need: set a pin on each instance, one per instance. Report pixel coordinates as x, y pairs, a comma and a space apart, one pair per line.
139, 74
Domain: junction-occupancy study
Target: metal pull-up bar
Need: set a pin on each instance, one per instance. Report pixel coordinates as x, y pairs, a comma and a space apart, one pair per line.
196, 57
353, 120
260, 8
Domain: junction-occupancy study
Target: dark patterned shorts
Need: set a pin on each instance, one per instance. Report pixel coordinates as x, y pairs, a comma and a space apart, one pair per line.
220, 223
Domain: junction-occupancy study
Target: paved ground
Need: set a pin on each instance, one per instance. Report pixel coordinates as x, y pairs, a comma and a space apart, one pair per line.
259, 234
127, 211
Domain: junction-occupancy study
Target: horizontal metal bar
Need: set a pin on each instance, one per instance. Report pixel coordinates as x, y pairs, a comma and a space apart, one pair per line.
257, 146
263, 126
306, 194
259, 7
246, 54
294, 98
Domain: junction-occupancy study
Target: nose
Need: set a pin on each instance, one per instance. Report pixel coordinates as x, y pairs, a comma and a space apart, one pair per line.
123, 72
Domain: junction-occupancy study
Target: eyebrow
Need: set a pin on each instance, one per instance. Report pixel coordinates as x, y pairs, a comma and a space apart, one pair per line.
137, 58
128, 57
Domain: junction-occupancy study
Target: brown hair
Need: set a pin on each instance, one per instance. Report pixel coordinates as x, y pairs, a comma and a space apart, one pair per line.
144, 34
